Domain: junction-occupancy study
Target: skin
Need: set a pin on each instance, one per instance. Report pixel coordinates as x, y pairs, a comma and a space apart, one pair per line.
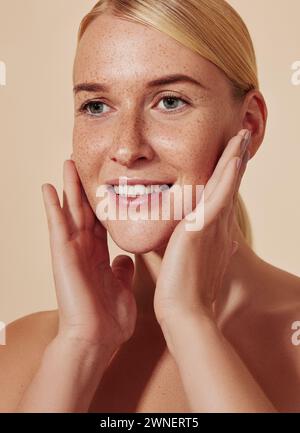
182, 147
146, 318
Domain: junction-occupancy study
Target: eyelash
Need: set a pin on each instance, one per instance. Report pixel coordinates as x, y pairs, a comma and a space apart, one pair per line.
84, 107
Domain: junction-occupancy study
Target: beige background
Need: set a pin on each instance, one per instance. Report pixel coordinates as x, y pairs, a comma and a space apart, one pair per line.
37, 43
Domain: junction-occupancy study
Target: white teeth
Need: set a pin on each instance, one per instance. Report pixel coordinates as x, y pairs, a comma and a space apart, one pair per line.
135, 190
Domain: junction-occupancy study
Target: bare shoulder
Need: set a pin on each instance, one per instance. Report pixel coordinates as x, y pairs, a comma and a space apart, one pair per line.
26, 340
273, 289
277, 329
265, 331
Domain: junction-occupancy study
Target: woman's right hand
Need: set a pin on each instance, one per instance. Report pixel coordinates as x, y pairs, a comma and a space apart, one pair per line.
95, 302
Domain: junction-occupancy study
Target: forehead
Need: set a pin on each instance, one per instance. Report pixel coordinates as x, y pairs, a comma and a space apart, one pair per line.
115, 48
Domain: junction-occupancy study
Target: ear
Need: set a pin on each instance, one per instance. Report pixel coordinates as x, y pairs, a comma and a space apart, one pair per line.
254, 118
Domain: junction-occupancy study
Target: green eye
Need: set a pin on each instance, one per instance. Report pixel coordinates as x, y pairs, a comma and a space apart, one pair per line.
171, 99
94, 107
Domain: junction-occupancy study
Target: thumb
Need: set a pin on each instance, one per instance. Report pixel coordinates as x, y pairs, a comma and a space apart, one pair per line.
123, 269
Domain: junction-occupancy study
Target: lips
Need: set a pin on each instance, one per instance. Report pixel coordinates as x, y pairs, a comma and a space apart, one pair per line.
129, 197
137, 181
136, 190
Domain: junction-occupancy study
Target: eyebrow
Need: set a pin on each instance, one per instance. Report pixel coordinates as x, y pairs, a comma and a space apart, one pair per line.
168, 79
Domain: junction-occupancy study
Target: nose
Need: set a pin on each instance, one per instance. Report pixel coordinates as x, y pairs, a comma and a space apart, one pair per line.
130, 144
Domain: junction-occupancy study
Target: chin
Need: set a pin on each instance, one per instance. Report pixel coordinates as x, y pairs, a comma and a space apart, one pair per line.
140, 237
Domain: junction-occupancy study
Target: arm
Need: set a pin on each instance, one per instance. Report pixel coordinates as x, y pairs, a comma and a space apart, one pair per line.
96, 307
214, 377
66, 379
189, 281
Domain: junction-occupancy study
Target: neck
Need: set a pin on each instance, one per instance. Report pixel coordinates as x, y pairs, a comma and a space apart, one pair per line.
232, 293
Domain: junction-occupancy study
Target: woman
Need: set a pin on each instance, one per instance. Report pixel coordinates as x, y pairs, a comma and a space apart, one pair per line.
199, 323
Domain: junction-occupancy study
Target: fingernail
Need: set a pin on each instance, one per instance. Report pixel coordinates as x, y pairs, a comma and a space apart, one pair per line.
235, 247
245, 142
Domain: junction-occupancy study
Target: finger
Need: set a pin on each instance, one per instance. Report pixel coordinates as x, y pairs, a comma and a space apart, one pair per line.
57, 225
100, 231
72, 197
232, 149
123, 269
235, 246
242, 170
222, 198
89, 215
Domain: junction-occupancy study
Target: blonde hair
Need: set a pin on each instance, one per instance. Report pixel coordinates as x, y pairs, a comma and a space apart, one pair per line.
213, 29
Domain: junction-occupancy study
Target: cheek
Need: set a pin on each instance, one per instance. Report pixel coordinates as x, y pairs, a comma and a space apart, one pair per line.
209, 135
87, 140
191, 146
87, 155
92, 140
194, 146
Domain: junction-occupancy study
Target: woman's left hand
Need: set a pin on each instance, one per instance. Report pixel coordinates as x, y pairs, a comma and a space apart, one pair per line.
195, 262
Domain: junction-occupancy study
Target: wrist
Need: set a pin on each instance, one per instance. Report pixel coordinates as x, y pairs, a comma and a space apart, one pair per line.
76, 350
82, 342
180, 330
177, 316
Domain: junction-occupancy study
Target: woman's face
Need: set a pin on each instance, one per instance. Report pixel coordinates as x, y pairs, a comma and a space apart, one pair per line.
133, 129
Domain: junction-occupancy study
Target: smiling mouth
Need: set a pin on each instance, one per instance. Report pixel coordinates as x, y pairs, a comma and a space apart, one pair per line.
133, 191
